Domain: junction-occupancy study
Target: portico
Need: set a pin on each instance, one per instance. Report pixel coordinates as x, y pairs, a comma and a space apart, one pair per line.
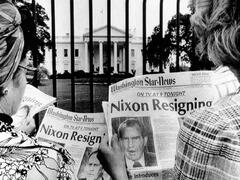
100, 59
100, 50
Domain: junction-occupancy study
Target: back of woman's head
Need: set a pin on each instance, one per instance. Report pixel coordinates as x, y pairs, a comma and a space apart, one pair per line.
11, 41
217, 24
16, 34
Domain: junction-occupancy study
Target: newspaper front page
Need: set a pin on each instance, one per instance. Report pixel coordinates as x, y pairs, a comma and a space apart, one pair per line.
80, 134
146, 111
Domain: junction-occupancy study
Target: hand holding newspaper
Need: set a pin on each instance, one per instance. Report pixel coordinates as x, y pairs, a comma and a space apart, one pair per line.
145, 112
32, 103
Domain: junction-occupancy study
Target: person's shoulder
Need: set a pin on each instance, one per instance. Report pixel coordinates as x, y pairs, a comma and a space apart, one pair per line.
209, 125
211, 134
219, 112
228, 103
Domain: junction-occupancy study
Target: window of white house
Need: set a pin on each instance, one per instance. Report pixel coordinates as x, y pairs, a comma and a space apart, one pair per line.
132, 52
76, 52
65, 52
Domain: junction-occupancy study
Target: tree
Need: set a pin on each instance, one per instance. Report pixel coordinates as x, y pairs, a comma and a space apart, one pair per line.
157, 50
160, 49
188, 42
186, 46
36, 30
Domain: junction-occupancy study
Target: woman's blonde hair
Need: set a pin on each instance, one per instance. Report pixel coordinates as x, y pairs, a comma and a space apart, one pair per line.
217, 24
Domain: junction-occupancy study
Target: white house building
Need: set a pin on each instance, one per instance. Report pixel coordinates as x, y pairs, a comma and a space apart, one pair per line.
81, 52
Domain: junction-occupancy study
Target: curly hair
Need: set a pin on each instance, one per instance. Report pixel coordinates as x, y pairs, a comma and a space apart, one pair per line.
217, 24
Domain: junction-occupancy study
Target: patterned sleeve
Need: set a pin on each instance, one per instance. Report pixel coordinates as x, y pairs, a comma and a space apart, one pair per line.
208, 147
23, 158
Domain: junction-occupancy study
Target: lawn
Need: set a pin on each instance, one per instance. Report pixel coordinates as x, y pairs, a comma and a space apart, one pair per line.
82, 94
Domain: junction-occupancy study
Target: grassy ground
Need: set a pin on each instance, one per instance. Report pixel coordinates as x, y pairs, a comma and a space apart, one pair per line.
82, 94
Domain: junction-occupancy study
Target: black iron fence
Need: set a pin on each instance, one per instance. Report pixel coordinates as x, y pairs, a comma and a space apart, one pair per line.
90, 44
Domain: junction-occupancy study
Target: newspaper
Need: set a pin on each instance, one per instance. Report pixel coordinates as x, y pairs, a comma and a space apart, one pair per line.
32, 103
80, 134
157, 102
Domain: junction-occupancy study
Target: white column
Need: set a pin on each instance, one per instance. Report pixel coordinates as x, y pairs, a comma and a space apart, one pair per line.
121, 59
100, 57
130, 58
115, 58
86, 61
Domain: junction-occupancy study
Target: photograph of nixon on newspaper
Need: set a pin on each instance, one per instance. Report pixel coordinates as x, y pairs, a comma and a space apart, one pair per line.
136, 139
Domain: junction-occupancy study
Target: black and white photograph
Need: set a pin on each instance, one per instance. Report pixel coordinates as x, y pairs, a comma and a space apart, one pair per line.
91, 168
133, 61
136, 138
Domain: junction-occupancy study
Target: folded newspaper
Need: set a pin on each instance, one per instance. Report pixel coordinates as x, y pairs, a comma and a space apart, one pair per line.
33, 102
80, 134
145, 112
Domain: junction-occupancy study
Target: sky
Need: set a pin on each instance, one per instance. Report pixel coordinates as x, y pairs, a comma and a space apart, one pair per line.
117, 11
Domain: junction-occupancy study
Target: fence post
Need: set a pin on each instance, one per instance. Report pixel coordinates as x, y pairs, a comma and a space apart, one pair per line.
54, 80
144, 36
91, 53
72, 54
109, 40
161, 17
178, 38
127, 35
33, 44
161, 31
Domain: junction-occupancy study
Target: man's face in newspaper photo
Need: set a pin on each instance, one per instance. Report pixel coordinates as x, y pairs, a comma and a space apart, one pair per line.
94, 168
133, 142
